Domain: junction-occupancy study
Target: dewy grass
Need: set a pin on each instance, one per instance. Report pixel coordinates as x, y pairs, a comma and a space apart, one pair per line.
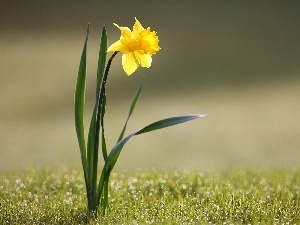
178, 197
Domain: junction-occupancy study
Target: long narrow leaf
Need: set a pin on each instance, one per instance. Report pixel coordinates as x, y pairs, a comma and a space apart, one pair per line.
169, 122
101, 103
93, 136
91, 146
135, 99
102, 185
105, 193
101, 59
115, 152
79, 100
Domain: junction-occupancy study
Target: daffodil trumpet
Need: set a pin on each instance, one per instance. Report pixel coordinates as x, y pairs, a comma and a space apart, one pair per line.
137, 47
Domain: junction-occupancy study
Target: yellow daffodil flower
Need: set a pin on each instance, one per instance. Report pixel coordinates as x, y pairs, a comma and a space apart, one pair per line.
137, 47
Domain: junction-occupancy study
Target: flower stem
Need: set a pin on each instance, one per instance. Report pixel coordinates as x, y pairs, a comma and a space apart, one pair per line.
102, 95
101, 107
102, 92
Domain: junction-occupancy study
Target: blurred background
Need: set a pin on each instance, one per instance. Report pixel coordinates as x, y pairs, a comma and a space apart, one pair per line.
238, 61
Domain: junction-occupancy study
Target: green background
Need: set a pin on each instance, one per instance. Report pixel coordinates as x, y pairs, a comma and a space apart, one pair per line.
237, 61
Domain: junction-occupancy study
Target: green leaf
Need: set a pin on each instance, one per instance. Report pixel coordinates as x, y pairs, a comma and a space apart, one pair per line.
91, 146
115, 152
135, 99
79, 100
101, 60
169, 122
105, 194
93, 136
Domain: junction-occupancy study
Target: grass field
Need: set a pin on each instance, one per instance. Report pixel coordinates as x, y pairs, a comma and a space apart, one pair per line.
229, 197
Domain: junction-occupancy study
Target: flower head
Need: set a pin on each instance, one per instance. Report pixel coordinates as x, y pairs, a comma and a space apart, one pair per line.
137, 47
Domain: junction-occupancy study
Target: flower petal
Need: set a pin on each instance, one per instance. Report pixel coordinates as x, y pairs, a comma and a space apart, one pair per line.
125, 32
129, 62
137, 46
150, 41
137, 29
115, 46
144, 60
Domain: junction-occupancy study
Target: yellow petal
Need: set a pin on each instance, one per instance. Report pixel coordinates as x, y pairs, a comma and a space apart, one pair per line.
118, 46
149, 41
129, 62
115, 46
137, 29
144, 60
125, 32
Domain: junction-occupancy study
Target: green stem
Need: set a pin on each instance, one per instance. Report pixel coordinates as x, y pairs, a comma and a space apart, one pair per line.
99, 123
100, 100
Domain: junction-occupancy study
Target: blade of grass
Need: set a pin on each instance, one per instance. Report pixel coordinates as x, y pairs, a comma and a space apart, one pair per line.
115, 152
79, 100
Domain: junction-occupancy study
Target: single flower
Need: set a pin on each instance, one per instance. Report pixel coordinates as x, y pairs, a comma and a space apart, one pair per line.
137, 47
